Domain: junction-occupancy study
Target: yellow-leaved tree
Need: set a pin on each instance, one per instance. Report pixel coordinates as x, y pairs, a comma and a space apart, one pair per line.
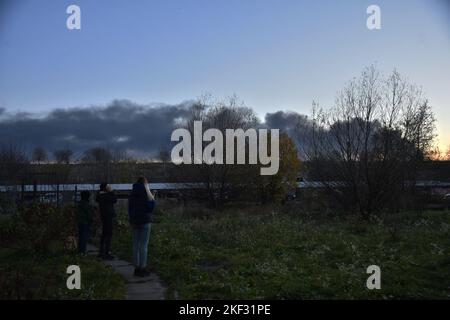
275, 188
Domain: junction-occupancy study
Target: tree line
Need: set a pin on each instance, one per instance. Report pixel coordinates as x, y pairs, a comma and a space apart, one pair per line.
366, 149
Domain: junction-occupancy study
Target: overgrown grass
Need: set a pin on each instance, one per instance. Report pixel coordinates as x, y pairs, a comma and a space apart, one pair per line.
266, 253
44, 278
34, 267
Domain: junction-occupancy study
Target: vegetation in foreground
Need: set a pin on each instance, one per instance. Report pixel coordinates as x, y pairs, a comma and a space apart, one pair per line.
34, 259
269, 253
239, 252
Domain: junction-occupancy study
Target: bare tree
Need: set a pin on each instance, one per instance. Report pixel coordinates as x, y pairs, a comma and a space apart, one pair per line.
164, 154
367, 148
13, 171
98, 161
39, 155
13, 164
104, 163
221, 180
63, 156
97, 155
435, 154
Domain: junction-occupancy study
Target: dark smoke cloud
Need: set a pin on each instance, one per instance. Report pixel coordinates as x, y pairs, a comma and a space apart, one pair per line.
284, 120
298, 126
290, 122
139, 129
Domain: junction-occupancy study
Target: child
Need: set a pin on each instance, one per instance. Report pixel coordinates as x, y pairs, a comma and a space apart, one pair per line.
84, 219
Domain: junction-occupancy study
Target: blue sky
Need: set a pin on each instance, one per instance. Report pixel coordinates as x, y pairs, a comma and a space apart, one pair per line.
275, 55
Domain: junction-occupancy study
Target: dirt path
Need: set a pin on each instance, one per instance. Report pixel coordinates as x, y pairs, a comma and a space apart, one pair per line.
148, 288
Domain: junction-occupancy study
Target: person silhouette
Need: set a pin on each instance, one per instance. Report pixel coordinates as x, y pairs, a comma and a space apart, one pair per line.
141, 204
106, 200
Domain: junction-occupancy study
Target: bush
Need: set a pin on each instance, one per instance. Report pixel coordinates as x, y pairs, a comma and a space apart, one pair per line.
7, 203
45, 278
39, 225
7, 229
33, 263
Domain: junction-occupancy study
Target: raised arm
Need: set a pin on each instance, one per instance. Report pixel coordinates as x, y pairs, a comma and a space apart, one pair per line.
149, 193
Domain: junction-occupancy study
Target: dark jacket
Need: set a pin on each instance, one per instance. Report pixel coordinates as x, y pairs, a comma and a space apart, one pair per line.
106, 201
85, 212
140, 208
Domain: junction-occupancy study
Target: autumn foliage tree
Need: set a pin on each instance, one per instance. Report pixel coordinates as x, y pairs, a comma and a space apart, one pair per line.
275, 188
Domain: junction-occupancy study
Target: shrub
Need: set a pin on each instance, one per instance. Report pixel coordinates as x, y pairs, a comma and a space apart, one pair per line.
40, 225
7, 229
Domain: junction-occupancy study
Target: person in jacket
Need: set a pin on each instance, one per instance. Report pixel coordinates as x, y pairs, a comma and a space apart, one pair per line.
106, 200
85, 213
140, 207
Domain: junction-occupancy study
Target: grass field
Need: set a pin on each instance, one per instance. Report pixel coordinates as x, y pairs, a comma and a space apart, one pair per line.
285, 253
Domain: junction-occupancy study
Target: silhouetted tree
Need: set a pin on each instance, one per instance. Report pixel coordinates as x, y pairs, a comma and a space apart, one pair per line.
220, 179
447, 154
367, 148
63, 156
164, 154
39, 155
103, 163
97, 155
13, 164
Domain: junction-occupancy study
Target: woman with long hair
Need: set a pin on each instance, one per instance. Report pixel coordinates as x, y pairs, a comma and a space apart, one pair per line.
140, 207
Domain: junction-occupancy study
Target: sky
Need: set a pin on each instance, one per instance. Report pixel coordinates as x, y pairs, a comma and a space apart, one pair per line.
275, 55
